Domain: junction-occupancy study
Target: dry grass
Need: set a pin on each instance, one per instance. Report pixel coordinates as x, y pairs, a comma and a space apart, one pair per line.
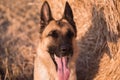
98, 24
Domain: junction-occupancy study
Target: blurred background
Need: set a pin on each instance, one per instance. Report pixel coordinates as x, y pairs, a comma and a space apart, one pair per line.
98, 36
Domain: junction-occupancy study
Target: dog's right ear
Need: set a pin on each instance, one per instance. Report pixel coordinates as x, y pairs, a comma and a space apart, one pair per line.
45, 15
68, 15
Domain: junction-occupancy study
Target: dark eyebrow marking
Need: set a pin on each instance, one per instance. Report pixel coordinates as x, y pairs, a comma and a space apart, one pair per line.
60, 23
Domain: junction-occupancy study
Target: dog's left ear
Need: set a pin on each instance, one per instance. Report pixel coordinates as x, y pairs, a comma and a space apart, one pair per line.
68, 15
45, 15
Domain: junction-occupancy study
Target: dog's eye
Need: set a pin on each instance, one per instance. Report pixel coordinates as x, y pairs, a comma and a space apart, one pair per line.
53, 34
70, 34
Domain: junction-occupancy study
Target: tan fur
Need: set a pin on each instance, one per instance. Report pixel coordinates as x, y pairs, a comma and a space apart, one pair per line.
53, 26
44, 67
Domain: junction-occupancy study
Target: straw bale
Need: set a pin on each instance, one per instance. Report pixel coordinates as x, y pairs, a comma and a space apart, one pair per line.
98, 36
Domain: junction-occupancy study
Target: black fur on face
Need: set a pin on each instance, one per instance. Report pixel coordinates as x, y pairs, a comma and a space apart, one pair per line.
61, 50
62, 45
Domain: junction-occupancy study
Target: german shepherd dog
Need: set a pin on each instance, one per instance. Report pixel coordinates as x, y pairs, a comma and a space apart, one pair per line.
57, 48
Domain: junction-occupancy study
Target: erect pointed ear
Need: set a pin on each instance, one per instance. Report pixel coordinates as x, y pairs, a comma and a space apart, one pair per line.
68, 15
45, 15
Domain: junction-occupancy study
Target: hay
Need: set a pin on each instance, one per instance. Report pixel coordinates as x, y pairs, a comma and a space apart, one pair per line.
98, 25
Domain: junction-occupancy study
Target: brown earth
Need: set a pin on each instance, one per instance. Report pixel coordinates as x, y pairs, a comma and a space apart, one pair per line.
98, 25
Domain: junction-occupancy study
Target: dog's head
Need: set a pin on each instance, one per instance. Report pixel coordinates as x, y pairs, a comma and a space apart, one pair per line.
57, 36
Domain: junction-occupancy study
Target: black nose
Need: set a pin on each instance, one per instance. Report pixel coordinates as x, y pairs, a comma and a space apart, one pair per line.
64, 49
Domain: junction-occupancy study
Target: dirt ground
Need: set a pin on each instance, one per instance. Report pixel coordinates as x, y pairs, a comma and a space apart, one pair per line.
98, 36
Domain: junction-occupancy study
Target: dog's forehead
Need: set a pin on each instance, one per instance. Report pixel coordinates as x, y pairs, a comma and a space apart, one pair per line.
60, 25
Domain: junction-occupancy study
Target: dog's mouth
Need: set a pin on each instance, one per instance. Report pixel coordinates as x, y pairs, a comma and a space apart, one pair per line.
62, 67
61, 60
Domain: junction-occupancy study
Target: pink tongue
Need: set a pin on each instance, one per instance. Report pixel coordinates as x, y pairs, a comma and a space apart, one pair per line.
63, 71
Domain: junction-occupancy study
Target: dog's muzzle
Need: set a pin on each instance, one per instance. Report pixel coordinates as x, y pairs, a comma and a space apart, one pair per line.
61, 57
